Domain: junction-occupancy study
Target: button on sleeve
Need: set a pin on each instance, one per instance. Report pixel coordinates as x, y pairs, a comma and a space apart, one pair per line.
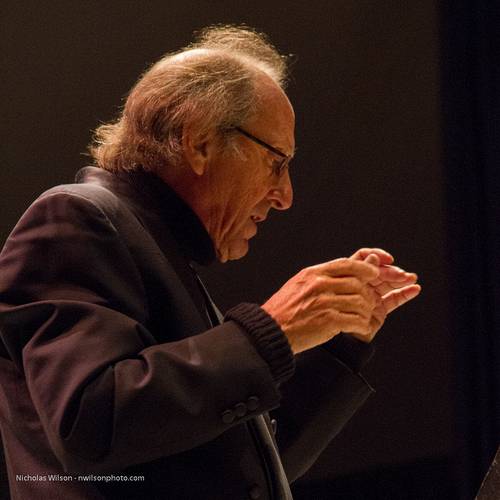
228, 417
240, 410
253, 403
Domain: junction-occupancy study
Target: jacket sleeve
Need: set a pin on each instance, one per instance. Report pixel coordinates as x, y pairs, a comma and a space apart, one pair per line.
320, 399
316, 404
72, 318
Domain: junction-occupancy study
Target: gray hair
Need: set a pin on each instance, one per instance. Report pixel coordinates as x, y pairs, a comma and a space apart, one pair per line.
210, 83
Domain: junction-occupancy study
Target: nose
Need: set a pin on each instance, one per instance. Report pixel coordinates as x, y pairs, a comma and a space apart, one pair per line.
281, 196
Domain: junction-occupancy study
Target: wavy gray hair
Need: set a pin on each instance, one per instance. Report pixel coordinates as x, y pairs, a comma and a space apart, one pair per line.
214, 87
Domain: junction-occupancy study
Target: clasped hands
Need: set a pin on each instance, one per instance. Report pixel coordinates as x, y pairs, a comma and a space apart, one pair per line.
352, 295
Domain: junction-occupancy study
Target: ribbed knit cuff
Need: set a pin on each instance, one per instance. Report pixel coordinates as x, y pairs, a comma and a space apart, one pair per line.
351, 351
267, 337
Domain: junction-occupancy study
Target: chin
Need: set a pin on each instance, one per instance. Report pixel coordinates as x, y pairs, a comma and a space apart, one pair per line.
234, 250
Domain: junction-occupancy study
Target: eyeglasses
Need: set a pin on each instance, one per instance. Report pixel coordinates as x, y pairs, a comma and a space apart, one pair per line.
279, 167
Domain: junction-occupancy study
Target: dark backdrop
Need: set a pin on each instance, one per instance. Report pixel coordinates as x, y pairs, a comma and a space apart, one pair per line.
371, 169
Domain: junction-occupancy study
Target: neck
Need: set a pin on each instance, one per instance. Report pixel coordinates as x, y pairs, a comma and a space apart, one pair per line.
191, 188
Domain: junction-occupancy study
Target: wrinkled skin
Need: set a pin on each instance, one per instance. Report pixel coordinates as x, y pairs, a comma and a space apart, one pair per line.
231, 193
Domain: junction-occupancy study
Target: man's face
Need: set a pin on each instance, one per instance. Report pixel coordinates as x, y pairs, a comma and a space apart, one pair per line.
242, 188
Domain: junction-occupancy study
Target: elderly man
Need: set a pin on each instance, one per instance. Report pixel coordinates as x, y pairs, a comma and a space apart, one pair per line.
119, 378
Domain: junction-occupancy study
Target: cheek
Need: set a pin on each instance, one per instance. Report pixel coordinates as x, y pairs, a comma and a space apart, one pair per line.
244, 205
256, 193
245, 189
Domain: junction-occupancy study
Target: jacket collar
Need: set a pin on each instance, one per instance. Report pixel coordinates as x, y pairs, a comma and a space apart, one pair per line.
151, 197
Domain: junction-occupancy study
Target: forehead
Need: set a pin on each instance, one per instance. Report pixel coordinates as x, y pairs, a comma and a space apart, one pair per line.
274, 120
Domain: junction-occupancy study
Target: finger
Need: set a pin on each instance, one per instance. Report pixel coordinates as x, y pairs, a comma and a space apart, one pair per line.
352, 323
383, 287
357, 304
345, 294
397, 298
364, 271
362, 253
371, 295
344, 285
394, 274
346, 289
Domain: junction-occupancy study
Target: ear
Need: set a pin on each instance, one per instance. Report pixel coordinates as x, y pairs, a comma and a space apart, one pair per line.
199, 148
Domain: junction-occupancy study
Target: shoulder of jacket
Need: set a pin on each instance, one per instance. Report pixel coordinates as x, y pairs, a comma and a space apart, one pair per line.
92, 195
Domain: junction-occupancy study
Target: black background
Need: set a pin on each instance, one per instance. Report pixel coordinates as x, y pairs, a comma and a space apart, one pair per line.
371, 170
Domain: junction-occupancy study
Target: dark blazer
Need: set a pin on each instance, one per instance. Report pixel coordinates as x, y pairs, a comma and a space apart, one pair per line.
110, 363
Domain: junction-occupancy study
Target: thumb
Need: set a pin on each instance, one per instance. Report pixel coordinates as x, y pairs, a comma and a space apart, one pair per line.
398, 297
373, 259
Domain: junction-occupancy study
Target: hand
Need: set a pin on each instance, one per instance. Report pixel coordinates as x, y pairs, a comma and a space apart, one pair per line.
321, 301
393, 285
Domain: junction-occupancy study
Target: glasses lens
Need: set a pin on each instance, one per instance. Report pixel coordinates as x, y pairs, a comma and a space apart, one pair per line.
280, 166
